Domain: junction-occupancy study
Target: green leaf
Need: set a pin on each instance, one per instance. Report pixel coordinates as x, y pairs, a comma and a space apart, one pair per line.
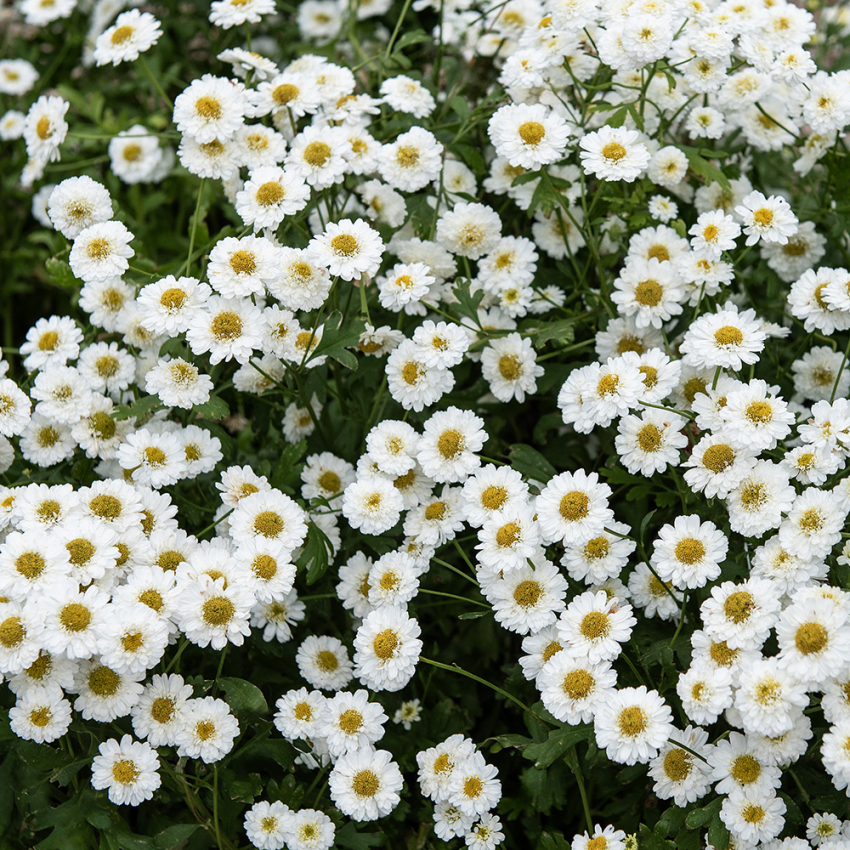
215, 408
472, 615
242, 696
315, 554
287, 468
60, 272
531, 463
703, 816
560, 741
348, 836
175, 835
563, 331
700, 165
718, 835
468, 301
337, 338
138, 408
649, 840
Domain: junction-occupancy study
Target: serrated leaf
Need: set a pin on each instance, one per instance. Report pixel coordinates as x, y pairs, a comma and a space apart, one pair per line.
138, 408
556, 747
315, 554
242, 696
467, 301
563, 331
60, 273
531, 463
348, 836
649, 840
214, 408
703, 816
700, 165
286, 470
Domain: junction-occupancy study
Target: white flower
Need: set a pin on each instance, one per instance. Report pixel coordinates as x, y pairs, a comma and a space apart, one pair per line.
207, 730
309, 829
300, 714
51, 341
405, 94
573, 508
447, 448
509, 365
469, 230
648, 290
595, 627
572, 689
741, 615
528, 135
411, 382
178, 383
689, 553
442, 344
726, 338
409, 163
813, 525
212, 614
387, 647
678, 773
227, 14
474, 787
40, 714
265, 823
614, 154
768, 697
526, 600
753, 818
632, 725
133, 33
323, 661
155, 459
269, 195
210, 108
769, 219
705, 691
157, 715
761, 497
45, 128
348, 249
365, 783
101, 251
351, 723
77, 203
650, 442
128, 770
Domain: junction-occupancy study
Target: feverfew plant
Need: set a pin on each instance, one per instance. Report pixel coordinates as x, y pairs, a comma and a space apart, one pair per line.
478, 367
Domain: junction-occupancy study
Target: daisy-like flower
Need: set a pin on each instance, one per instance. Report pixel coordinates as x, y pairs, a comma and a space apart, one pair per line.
572, 688
595, 627
269, 195
134, 643
469, 230
372, 504
677, 773
242, 267
528, 135
741, 615
508, 538
51, 341
169, 305
207, 730
365, 783
714, 232
573, 508
409, 163
178, 383
309, 829
271, 515
753, 817
227, 328
527, 600
101, 251
210, 108
104, 693
348, 249
813, 525
492, 489
441, 344
157, 713
15, 409
756, 418
155, 459
726, 338
227, 13
813, 640
614, 154
300, 714
212, 614
317, 155
404, 94
474, 787
649, 291
387, 647
408, 713
133, 33
323, 661
768, 697
716, 468
689, 553
45, 128
705, 691
650, 442
129, 771
77, 203
393, 580
393, 444
266, 823
600, 558
788, 572
769, 219
449, 443
299, 283
73, 618
40, 714
404, 286
632, 725
736, 768
761, 497
352, 723
509, 365
413, 384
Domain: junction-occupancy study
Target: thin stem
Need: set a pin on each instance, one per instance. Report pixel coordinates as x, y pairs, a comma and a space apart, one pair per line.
194, 226
585, 803
448, 566
454, 668
156, 83
453, 596
838, 376
212, 525
215, 806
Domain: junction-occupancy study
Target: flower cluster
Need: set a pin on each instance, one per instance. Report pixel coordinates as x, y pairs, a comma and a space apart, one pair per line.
534, 315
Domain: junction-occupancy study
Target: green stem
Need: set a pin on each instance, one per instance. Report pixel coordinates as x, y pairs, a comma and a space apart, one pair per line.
838, 376
453, 596
194, 226
454, 668
585, 803
156, 83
